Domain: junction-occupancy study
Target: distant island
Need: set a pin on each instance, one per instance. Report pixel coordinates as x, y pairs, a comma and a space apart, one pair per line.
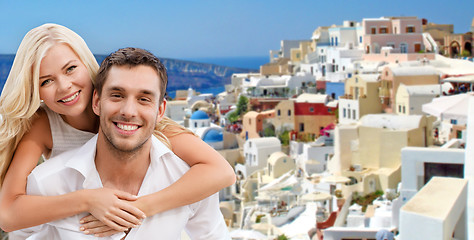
181, 74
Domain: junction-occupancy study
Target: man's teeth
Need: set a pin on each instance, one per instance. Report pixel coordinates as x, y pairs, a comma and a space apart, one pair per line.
127, 127
70, 98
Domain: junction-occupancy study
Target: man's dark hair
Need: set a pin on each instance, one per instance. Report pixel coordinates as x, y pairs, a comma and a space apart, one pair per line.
131, 57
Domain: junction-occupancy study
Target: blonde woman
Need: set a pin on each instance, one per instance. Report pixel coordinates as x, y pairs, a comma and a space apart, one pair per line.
54, 64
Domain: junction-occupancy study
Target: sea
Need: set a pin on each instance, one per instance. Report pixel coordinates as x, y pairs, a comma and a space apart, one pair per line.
253, 62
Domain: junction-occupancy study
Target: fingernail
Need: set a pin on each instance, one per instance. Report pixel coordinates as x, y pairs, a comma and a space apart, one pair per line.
81, 228
82, 221
143, 216
86, 231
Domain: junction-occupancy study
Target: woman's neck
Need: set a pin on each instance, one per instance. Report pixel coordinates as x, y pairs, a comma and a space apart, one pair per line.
86, 121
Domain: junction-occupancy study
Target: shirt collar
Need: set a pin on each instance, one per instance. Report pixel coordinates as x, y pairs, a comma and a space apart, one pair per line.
84, 160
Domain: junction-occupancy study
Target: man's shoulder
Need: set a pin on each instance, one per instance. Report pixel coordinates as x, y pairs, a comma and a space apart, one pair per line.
54, 165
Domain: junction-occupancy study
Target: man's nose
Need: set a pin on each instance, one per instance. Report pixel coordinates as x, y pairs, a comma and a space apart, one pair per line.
129, 108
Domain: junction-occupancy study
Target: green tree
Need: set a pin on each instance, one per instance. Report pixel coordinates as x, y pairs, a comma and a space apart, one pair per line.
242, 105
284, 138
233, 117
269, 132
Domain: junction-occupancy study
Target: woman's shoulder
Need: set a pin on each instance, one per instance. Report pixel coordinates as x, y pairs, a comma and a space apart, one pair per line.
40, 128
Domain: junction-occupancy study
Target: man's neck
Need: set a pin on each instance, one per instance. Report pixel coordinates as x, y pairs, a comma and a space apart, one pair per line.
122, 170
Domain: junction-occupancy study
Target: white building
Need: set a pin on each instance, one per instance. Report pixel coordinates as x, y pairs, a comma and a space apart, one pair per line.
436, 212
176, 110
420, 164
469, 169
257, 151
199, 119
277, 85
409, 99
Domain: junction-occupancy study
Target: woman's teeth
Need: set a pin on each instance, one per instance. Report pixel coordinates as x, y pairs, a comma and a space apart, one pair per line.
70, 98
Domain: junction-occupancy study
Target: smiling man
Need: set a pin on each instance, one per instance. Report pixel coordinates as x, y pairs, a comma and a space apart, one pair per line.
124, 155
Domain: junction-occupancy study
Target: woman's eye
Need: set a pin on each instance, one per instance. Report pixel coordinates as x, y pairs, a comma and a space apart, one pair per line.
46, 82
69, 69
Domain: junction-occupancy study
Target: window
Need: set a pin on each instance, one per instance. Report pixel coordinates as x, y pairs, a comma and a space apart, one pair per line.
404, 109
250, 121
297, 55
383, 30
410, 29
195, 124
373, 30
360, 39
332, 41
454, 121
349, 114
301, 127
417, 47
403, 48
311, 109
336, 41
344, 113
399, 108
278, 112
353, 114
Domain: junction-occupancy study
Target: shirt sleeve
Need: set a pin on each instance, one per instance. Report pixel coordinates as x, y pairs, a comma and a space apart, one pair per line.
207, 221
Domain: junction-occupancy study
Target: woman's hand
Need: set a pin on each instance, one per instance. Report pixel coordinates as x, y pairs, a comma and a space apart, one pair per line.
91, 225
113, 208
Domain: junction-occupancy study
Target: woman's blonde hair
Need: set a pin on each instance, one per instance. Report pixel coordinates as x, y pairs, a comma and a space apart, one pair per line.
20, 98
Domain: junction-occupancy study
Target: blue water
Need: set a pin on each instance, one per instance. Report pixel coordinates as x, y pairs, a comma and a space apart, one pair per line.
239, 62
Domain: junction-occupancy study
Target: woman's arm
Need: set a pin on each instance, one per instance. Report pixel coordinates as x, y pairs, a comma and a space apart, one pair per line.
18, 210
209, 173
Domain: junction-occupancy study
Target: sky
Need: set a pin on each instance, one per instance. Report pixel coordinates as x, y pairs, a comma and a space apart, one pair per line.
190, 29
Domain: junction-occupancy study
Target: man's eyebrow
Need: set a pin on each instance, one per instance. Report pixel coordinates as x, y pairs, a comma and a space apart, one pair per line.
62, 68
118, 88
147, 92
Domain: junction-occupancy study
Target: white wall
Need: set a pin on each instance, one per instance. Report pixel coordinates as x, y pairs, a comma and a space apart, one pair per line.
413, 159
349, 105
469, 168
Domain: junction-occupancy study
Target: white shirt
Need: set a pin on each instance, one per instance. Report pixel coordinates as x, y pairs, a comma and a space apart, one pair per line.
75, 170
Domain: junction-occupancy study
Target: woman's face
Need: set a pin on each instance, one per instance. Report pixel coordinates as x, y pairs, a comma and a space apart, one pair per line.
65, 84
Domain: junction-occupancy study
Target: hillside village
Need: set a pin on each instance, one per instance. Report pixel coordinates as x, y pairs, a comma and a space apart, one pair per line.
359, 130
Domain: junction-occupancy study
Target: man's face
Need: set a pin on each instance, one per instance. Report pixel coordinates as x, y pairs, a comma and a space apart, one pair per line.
129, 107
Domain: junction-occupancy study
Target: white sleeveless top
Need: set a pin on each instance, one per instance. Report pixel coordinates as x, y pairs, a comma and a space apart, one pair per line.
64, 136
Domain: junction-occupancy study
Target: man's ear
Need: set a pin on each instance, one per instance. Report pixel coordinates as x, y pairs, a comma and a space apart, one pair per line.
161, 111
95, 103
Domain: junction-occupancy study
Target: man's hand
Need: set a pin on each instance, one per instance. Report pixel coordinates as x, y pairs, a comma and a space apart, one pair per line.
91, 225
114, 209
